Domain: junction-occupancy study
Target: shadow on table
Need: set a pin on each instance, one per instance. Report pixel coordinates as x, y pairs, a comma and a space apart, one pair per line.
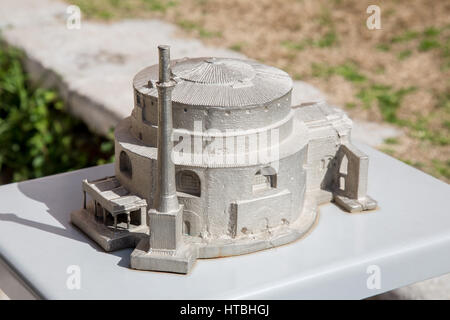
50, 194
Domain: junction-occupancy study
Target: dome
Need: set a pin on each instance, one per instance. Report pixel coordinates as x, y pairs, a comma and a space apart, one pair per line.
219, 82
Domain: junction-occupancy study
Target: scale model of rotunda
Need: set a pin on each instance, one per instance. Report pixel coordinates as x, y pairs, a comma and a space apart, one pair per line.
214, 161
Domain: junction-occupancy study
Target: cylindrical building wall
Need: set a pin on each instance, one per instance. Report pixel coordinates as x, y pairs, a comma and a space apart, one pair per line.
230, 201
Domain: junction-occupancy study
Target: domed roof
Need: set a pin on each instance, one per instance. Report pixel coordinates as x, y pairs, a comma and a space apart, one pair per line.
219, 82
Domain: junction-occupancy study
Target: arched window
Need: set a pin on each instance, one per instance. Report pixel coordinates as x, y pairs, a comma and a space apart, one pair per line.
343, 170
125, 164
264, 179
188, 182
138, 100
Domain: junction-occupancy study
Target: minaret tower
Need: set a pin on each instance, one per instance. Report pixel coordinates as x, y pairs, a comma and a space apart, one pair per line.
165, 220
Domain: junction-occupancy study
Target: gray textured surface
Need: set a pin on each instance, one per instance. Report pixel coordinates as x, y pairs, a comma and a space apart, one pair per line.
37, 238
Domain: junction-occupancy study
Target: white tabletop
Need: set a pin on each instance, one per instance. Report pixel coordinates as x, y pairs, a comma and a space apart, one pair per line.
407, 239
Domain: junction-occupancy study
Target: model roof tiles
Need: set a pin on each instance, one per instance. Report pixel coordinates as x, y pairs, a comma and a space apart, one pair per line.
219, 82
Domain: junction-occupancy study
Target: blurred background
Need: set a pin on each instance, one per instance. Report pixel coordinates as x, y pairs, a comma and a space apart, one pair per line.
396, 77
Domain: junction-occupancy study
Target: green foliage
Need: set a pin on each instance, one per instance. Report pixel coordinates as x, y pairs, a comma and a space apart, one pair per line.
350, 73
109, 9
404, 54
93, 9
446, 124
422, 129
237, 46
292, 45
328, 36
203, 33
350, 105
388, 100
416, 164
188, 25
428, 39
388, 151
325, 18
37, 137
383, 47
159, 5
329, 39
431, 32
321, 70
